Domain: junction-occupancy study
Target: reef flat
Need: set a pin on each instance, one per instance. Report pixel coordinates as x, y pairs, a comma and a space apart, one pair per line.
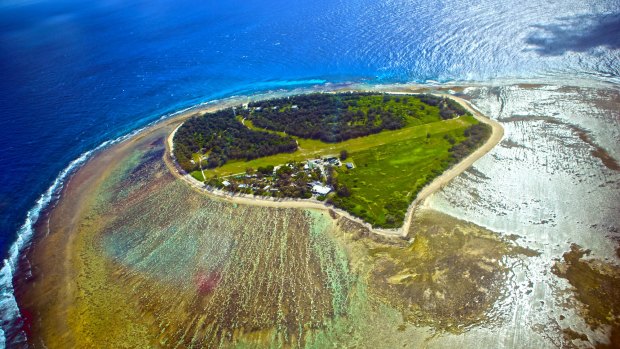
132, 256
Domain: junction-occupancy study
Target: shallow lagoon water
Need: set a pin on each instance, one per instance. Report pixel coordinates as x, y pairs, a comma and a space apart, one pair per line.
542, 181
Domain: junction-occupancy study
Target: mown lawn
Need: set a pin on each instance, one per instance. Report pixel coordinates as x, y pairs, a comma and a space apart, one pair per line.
309, 148
387, 177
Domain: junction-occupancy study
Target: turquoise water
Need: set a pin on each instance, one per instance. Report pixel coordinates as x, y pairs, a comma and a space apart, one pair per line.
75, 75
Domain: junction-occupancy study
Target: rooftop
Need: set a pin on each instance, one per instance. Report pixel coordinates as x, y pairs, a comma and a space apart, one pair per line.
320, 189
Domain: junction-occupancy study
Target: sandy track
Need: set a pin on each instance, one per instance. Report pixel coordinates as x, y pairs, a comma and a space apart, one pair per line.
438, 183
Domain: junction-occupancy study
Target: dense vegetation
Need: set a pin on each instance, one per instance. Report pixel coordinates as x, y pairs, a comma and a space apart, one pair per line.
476, 135
221, 137
338, 117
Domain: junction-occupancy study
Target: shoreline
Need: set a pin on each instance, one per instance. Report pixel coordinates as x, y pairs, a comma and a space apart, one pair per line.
497, 133
59, 236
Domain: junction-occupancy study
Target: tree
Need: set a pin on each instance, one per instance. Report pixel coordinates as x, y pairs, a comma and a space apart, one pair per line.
213, 161
343, 191
224, 137
344, 154
267, 170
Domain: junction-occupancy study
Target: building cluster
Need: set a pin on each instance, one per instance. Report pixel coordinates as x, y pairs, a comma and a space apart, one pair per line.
296, 179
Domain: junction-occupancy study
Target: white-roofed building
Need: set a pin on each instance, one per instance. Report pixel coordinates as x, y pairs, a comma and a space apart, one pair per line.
321, 189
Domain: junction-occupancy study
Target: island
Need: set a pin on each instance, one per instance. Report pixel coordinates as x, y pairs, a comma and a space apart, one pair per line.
367, 153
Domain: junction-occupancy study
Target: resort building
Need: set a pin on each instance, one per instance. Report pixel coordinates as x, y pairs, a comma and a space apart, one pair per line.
321, 189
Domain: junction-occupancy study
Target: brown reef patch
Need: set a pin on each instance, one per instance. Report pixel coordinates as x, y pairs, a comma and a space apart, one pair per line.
596, 285
448, 277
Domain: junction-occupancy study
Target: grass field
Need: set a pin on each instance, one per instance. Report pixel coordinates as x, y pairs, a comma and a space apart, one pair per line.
387, 177
414, 111
309, 148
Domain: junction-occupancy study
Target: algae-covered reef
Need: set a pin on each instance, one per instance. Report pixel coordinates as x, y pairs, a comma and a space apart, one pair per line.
135, 257
270, 273
596, 286
450, 275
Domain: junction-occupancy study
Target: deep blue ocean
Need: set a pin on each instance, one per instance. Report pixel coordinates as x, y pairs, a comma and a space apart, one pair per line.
75, 74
